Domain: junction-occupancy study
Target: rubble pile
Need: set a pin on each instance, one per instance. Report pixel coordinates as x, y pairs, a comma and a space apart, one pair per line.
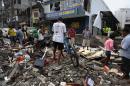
63, 74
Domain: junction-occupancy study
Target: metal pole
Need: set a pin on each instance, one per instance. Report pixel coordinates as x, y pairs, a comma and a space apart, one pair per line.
2, 16
12, 9
30, 1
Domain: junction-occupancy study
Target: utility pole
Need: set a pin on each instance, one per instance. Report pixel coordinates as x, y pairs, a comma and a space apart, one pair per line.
30, 2
2, 9
2, 17
12, 9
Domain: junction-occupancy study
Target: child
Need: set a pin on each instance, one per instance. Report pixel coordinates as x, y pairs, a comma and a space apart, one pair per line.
72, 35
109, 47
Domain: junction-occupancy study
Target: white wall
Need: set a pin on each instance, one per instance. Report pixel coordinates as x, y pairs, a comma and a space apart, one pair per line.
128, 16
122, 15
98, 5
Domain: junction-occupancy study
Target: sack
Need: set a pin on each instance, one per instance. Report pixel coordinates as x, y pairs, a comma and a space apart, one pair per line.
39, 62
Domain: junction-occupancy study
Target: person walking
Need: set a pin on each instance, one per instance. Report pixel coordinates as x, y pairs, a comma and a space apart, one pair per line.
59, 31
20, 36
72, 35
86, 38
125, 52
109, 47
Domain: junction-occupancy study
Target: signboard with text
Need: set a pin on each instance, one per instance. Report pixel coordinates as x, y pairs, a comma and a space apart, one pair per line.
72, 12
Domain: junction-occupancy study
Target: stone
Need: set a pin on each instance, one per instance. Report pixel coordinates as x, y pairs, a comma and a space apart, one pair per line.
51, 84
62, 83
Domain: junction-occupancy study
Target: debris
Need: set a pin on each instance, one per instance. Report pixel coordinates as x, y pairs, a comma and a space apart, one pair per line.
63, 84
90, 82
51, 84
54, 74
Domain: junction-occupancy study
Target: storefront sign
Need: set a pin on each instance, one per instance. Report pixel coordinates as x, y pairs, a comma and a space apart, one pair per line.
73, 12
61, 13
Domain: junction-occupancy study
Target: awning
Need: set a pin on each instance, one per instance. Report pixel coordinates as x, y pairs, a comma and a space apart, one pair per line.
104, 16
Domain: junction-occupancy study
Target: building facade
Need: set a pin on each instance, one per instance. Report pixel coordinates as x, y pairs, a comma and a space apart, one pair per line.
72, 11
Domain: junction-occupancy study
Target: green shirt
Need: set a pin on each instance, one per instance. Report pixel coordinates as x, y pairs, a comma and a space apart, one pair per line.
35, 33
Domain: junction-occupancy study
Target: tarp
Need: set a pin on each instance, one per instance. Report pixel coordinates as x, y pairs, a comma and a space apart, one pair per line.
98, 21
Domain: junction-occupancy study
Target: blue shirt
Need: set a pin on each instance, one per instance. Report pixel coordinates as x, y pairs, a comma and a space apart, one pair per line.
125, 44
20, 34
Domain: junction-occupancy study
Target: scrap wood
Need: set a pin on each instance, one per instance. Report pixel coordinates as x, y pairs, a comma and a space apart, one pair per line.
94, 67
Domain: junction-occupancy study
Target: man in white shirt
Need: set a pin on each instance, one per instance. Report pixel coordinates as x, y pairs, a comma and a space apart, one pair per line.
59, 30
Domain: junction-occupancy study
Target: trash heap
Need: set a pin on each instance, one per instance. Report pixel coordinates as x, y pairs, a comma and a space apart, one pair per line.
20, 71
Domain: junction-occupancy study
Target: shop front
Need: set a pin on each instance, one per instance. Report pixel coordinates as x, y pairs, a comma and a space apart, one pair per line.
74, 17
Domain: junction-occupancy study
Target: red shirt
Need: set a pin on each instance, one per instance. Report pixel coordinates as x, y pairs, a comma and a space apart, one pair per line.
71, 32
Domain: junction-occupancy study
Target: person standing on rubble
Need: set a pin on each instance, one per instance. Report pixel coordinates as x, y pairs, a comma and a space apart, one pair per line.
34, 34
86, 38
125, 52
20, 36
72, 35
109, 47
40, 38
24, 30
59, 31
12, 35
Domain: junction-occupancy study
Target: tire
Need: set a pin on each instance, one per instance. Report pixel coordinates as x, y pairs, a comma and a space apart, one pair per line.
75, 60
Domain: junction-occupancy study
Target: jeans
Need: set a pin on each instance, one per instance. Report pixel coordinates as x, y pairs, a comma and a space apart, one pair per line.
20, 39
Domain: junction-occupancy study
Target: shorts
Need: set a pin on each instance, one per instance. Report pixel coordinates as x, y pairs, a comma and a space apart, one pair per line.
58, 45
108, 53
86, 42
